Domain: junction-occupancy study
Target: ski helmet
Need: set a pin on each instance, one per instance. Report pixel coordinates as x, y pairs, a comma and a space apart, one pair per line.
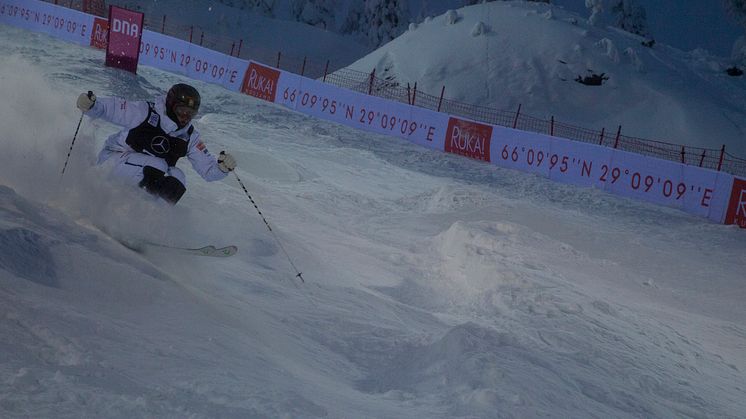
182, 103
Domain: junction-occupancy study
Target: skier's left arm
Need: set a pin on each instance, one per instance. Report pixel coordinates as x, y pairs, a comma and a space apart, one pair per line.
205, 164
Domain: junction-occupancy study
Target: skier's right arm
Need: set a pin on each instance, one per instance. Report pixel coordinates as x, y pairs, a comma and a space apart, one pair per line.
115, 110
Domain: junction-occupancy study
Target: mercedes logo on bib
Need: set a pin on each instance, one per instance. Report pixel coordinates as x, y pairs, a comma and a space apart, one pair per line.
160, 145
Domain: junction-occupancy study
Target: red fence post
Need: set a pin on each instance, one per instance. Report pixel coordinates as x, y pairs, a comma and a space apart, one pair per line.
414, 93
551, 127
440, 101
303, 67
409, 94
722, 154
279, 54
601, 141
618, 134
240, 44
515, 121
233, 45
201, 38
163, 25
326, 70
683, 159
702, 159
370, 83
191, 33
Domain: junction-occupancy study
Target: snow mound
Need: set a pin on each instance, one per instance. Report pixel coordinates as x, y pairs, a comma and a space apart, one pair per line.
475, 256
444, 199
27, 254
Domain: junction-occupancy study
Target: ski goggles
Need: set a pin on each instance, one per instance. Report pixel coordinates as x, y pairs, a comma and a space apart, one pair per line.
185, 112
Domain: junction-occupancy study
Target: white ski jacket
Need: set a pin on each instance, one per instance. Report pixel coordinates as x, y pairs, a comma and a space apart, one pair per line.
131, 114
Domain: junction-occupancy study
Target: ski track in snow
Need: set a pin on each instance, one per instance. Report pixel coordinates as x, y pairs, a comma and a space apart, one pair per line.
436, 286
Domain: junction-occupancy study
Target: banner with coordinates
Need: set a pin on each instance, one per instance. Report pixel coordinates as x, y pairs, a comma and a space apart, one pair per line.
698, 191
196, 62
369, 113
66, 24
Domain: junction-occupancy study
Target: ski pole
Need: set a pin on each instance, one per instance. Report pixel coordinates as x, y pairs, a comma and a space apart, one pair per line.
298, 273
90, 93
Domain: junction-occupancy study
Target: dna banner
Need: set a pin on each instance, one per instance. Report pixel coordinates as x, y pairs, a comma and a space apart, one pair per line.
125, 34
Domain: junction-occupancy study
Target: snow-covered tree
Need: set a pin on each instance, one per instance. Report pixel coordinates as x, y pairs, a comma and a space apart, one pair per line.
265, 7
737, 10
387, 19
630, 16
379, 21
597, 8
472, 2
624, 14
318, 13
739, 50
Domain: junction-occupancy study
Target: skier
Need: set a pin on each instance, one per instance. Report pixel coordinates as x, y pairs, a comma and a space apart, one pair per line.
155, 135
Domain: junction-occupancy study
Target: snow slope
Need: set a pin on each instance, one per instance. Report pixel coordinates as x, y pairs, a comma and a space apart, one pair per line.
436, 287
506, 54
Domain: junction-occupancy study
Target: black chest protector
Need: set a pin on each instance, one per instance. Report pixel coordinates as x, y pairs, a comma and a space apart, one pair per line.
150, 138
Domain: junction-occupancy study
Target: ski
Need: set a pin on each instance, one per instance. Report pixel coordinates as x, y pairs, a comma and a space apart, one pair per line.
209, 251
